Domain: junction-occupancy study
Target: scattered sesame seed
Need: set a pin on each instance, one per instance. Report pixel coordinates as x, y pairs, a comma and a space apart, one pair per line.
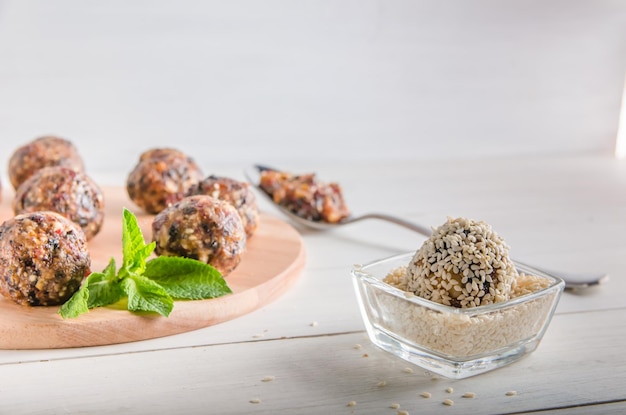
511, 393
357, 346
351, 403
407, 370
395, 406
366, 355
469, 395
425, 395
255, 400
382, 383
403, 412
313, 324
257, 336
268, 378
449, 390
448, 402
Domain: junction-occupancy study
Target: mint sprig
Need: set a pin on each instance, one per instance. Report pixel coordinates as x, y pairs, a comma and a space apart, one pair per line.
149, 285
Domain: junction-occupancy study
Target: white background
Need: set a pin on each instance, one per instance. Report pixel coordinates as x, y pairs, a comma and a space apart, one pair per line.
234, 82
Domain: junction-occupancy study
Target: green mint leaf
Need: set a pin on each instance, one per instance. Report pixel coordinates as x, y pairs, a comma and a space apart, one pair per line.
185, 278
146, 295
77, 304
148, 285
98, 289
104, 287
135, 252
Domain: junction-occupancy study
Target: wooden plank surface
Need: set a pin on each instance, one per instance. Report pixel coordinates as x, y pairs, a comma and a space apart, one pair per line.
578, 368
574, 366
274, 259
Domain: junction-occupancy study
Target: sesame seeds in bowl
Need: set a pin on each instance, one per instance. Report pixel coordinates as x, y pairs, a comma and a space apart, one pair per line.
456, 319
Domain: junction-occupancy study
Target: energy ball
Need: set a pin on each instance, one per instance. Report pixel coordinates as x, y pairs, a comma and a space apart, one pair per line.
42, 152
65, 191
43, 258
161, 153
161, 178
203, 228
464, 264
239, 194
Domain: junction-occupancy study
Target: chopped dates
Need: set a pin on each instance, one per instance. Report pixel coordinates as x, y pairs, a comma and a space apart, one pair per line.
304, 196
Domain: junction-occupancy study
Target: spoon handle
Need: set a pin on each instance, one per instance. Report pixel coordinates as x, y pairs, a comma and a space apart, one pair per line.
393, 219
572, 281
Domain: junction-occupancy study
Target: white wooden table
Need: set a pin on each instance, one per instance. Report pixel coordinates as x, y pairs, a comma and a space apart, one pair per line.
307, 352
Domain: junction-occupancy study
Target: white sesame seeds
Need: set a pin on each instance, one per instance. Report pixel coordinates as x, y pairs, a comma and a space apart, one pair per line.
511, 393
382, 383
357, 346
268, 378
448, 402
351, 404
313, 324
407, 370
255, 400
425, 395
395, 406
469, 395
449, 390
402, 412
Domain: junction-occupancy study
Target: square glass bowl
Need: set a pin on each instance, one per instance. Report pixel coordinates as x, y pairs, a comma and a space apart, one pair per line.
452, 342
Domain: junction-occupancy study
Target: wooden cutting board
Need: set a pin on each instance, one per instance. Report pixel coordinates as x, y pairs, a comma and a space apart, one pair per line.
274, 259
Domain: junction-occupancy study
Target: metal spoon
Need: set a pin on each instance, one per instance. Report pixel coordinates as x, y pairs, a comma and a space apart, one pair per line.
573, 281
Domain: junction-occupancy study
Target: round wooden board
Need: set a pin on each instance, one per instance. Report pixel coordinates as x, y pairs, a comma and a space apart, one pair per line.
274, 259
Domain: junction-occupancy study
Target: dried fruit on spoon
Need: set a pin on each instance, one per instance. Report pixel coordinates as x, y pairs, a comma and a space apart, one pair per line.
305, 196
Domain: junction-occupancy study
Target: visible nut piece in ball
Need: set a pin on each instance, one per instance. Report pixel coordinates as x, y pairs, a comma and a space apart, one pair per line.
42, 152
43, 258
70, 193
203, 228
237, 193
161, 178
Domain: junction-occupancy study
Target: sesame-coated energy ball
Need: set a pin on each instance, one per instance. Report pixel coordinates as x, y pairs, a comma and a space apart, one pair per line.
161, 178
65, 191
239, 194
43, 258
43, 152
464, 263
203, 228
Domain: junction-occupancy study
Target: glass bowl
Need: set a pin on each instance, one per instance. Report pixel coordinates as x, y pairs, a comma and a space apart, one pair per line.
452, 342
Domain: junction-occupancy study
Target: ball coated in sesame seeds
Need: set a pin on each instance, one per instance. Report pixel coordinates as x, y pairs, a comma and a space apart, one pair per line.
464, 264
